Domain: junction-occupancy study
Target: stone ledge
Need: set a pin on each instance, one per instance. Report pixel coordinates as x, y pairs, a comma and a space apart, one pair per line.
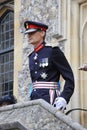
12, 125
33, 109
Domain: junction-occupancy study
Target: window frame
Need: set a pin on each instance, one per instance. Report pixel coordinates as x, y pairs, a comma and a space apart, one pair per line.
4, 52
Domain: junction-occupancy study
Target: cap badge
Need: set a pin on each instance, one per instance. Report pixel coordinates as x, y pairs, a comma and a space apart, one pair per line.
26, 25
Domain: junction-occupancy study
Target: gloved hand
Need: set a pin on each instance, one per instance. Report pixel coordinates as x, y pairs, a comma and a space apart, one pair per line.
60, 103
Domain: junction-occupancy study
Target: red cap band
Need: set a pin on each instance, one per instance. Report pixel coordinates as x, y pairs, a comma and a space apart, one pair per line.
37, 27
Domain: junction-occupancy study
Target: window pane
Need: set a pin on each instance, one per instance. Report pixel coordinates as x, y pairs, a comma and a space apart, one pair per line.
11, 57
11, 25
6, 87
10, 85
7, 26
6, 77
3, 37
2, 68
11, 43
7, 44
7, 35
11, 65
2, 28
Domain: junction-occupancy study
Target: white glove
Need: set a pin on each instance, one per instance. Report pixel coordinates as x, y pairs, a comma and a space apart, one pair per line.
60, 103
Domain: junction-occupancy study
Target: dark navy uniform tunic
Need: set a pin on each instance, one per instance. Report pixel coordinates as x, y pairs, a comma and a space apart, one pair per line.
47, 64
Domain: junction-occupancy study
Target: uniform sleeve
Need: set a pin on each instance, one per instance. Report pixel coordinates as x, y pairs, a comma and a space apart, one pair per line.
62, 65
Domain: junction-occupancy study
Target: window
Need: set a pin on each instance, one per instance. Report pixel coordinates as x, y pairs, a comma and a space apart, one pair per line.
6, 53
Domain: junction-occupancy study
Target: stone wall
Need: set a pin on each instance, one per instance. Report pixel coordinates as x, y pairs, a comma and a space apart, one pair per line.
35, 115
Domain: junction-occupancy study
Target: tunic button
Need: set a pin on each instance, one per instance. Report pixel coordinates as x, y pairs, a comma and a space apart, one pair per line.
35, 72
35, 63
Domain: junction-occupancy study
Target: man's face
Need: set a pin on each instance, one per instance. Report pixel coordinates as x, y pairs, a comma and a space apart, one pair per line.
36, 38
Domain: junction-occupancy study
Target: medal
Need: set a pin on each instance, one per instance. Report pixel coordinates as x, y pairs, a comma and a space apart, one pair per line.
44, 75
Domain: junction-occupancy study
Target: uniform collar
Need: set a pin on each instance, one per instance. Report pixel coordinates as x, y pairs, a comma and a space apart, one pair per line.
39, 47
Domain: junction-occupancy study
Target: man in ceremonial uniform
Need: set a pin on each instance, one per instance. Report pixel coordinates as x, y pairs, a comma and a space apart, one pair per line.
46, 64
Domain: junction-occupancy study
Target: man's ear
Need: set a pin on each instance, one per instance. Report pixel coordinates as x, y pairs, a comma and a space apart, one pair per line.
43, 33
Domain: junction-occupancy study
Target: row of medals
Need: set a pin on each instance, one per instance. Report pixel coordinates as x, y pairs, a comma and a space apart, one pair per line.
43, 63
